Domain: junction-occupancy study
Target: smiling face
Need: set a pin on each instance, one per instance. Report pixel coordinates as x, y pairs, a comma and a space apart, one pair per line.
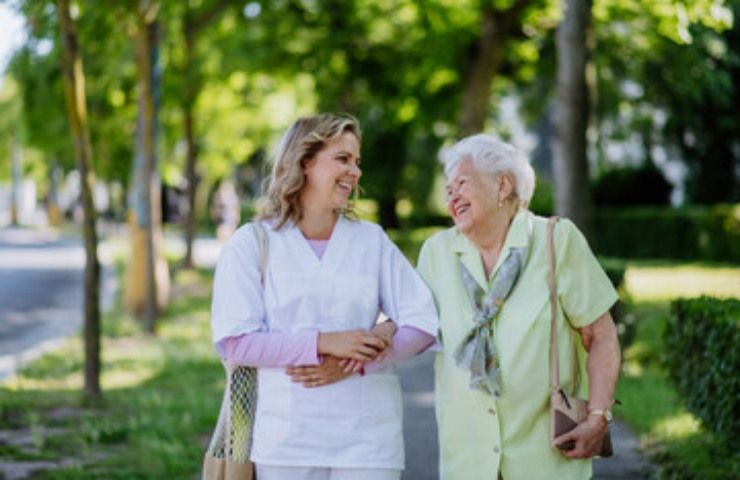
472, 196
333, 173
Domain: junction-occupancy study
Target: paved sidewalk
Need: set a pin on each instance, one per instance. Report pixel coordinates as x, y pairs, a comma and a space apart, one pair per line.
41, 293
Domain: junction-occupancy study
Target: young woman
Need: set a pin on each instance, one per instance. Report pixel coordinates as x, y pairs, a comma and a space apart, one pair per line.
327, 278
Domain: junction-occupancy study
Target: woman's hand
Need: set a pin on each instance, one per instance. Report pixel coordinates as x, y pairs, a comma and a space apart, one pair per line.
351, 366
587, 437
329, 371
359, 345
385, 330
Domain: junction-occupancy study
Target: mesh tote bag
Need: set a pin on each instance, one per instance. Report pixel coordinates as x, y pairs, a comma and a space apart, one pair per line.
227, 457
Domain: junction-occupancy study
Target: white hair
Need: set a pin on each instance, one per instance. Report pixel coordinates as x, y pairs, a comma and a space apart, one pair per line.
495, 157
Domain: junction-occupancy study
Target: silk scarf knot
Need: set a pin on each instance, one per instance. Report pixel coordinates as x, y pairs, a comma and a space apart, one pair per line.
477, 352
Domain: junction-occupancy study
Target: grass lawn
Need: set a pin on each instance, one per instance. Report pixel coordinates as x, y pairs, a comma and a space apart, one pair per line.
162, 397
650, 404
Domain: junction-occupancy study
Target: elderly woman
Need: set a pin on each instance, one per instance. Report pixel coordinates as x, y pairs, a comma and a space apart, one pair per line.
495, 423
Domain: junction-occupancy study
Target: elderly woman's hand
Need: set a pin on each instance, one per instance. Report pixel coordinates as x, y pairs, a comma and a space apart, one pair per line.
359, 345
329, 371
586, 437
385, 330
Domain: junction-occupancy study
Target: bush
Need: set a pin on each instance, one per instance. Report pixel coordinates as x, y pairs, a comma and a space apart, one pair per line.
543, 199
626, 326
630, 186
703, 360
697, 233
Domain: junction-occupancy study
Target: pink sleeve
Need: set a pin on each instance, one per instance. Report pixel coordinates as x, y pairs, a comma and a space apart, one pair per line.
407, 342
268, 350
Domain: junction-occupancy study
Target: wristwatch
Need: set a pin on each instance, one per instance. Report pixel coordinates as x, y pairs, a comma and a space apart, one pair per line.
607, 414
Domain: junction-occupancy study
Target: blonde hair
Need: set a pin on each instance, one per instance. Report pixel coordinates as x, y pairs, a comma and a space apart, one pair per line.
303, 140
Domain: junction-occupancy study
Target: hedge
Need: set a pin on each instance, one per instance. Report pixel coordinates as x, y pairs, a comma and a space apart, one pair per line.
703, 358
410, 240
697, 233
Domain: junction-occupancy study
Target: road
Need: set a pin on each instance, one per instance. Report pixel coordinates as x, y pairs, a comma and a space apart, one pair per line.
40, 293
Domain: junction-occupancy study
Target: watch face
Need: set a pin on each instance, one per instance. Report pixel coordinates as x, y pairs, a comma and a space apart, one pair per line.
608, 415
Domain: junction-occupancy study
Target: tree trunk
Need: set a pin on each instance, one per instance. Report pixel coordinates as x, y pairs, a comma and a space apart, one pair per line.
485, 59
485, 55
53, 212
146, 235
193, 24
191, 156
74, 89
16, 179
387, 215
572, 195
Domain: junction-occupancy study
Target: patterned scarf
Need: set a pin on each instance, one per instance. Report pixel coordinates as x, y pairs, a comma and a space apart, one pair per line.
477, 352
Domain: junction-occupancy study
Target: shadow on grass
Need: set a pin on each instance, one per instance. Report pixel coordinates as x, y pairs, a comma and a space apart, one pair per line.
153, 430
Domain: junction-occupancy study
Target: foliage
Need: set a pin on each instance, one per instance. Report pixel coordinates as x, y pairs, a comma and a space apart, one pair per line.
630, 186
109, 87
704, 362
10, 107
680, 447
697, 233
663, 81
543, 199
642, 90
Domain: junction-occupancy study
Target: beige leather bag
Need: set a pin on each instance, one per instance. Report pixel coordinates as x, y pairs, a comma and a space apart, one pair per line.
566, 411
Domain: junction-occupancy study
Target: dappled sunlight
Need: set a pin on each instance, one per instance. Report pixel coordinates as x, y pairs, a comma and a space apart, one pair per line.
677, 427
118, 378
70, 383
631, 364
129, 362
664, 283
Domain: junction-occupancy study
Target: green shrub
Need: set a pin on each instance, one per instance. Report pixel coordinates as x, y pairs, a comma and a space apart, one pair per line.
544, 198
615, 269
703, 361
697, 233
625, 186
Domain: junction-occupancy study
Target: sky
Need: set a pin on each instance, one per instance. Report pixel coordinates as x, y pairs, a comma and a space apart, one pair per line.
12, 34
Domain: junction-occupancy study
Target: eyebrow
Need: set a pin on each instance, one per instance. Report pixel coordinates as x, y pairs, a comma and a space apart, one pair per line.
345, 152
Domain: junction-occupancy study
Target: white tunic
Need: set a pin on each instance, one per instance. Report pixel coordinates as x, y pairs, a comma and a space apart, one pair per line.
356, 422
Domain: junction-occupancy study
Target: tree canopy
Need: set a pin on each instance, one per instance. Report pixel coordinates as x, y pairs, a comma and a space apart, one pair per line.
664, 78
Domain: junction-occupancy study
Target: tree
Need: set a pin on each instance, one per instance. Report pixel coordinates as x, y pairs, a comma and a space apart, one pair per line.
702, 92
74, 89
193, 22
664, 79
484, 57
147, 286
570, 163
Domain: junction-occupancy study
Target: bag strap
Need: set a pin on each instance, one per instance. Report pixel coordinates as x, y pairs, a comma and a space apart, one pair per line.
552, 282
263, 246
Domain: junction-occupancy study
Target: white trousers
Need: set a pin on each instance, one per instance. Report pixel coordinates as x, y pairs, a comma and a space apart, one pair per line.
269, 472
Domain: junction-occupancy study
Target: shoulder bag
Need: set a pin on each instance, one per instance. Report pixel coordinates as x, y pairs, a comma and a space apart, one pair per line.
566, 411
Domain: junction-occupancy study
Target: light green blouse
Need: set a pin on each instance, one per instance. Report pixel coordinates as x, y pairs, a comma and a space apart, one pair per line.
478, 435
